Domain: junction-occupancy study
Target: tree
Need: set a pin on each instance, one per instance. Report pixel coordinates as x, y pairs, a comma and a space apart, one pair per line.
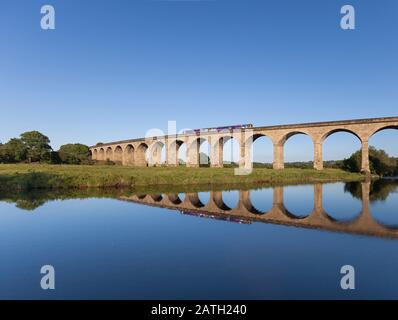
37, 146
54, 157
74, 153
13, 151
2, 154
379, 161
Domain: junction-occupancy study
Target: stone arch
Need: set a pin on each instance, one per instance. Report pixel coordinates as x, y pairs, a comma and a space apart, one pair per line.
94, 155
128, 155
219, 202
140, 157
196, 158
220, 150
156, 197
291, 134
247, 203
109, 154
329, 133
194, 200
384, 127
101, 154
250, 150
155, 153
174, 152
298, 201
258, 201
325, 139
385, 138
174, 198
118, 155
282, 142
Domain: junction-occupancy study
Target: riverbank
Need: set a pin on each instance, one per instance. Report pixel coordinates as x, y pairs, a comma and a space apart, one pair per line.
42, 176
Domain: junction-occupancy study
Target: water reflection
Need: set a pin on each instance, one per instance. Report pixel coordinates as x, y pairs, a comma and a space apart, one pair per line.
367, 208
340, 204
298, 200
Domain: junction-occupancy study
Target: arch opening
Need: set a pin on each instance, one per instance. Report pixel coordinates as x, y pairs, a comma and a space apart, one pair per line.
109, 154
298, 150
383, 152
230, 151
261, 151
226, 200
141, 156
199, 153
204, 197
383, 201
178, 153
299, 201
118, 155
195, 200
339, 204
128, 157
157, 156
338, 146
261, 200
176, 198
101, 155
156, 197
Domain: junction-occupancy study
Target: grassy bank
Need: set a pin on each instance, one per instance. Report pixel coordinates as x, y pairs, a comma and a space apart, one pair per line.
41, 176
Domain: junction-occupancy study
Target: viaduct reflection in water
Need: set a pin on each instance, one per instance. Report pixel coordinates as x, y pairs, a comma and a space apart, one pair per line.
245, 211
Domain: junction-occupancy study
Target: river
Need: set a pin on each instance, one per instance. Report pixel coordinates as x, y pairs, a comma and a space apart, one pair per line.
281, 242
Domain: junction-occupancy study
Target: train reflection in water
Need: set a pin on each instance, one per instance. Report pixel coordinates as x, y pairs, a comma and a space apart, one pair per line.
223, 218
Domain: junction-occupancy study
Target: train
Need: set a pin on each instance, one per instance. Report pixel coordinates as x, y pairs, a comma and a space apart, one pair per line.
216, 217
218, 129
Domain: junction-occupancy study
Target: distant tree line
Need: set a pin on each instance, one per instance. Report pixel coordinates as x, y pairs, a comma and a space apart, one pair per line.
379, 161
34, 146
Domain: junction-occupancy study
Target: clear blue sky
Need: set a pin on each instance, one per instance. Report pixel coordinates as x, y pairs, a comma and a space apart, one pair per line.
114, 69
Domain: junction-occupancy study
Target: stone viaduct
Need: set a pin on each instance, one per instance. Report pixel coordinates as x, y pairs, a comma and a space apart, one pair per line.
363, 223
147, 151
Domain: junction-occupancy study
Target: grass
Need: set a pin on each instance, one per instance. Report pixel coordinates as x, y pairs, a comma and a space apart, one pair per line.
43, 176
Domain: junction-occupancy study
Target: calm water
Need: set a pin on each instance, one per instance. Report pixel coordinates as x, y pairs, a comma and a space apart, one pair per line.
284, 242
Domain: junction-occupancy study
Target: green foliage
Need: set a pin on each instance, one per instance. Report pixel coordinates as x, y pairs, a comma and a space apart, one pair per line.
379, 161
74, 153
380, 189
13, 151
54, 157
300, 165
37, 146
